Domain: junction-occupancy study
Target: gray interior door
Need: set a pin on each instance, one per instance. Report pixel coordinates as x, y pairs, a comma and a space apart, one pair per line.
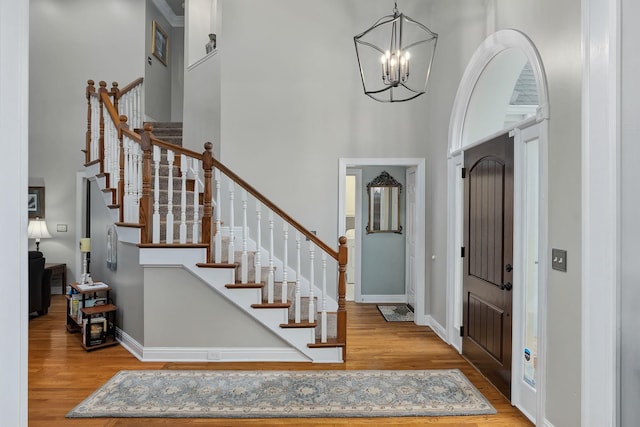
488, 259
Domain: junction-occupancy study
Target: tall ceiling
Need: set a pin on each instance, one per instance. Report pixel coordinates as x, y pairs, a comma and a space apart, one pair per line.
177, 6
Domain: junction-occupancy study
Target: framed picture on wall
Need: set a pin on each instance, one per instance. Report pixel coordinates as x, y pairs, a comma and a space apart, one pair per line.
35, 202
160, 43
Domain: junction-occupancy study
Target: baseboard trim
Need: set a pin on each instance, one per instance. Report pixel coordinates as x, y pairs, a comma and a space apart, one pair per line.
203, 354
383, 298
437, 328
547, 423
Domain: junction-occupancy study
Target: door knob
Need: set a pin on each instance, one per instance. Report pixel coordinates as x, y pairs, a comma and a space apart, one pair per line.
506, 286
508, 268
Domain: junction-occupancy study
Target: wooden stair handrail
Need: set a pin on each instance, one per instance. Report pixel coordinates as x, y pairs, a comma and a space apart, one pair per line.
265, 201
147, 140
121, 92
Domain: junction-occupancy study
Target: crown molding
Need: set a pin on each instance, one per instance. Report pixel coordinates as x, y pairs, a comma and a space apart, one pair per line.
173, 19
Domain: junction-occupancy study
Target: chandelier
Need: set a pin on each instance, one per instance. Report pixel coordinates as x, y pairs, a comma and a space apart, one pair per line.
395, 57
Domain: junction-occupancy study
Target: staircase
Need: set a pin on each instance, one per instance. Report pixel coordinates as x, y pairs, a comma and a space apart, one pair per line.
192, 210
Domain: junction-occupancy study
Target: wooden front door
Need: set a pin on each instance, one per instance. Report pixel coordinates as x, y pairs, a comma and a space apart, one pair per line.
488, 259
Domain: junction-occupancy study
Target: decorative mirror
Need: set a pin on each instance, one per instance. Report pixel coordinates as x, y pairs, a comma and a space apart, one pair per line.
384, 205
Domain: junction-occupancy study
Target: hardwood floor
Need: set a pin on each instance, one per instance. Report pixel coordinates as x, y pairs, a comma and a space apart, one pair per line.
62, 374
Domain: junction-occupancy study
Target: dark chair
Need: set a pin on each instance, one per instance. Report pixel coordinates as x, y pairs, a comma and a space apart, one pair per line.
39, 284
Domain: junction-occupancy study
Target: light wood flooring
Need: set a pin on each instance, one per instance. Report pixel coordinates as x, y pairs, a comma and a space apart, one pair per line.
62, 374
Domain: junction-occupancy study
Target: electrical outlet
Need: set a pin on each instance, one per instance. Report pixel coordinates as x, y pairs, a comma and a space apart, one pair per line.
214, 355
559, 259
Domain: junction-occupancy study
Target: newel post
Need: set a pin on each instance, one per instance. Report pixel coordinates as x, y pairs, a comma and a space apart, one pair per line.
91, 89
146, 205
115, 92
123, 125
103, 89
207, 166
342, 290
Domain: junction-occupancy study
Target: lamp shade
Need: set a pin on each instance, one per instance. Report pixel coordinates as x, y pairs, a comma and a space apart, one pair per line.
85, 244
38, 229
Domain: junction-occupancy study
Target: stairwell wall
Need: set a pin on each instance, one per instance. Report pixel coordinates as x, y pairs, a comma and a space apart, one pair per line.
68, 46
127, 281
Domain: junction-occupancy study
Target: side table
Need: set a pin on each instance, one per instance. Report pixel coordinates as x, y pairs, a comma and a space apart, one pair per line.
60, 271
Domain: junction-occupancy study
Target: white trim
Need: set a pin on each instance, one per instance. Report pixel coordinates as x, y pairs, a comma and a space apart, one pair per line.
357, 262
203, 59
600, 211
166, 11
14, 122
398, 298
491, 47
208, 354
420, 253
455, 204
440, 330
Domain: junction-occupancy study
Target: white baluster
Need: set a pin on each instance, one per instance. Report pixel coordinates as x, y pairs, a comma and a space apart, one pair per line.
95, 128
232, 231
156, 194
285, 261
244, 274
169, 217
129, 178
323, 318
195, 233
270, 280
184, 167
218, 206
137, 187
258, 255
126, 197
312, 302
298, 266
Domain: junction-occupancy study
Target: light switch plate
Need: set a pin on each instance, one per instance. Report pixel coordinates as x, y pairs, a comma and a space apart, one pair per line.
559, 259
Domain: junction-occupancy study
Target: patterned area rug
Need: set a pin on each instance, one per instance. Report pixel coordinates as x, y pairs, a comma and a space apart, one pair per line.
396, 313
267, 394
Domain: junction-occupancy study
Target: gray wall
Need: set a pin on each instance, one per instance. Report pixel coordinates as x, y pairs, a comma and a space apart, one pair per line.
157, 76
202, 112
555, 29
629, 392
127, 280
383, 254
297, 114
68, 46
181, 310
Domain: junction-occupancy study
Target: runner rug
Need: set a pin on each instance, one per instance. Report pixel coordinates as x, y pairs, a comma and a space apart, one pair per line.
268, 394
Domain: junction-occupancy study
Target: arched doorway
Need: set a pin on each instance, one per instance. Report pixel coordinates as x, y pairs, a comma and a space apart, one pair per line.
504, 91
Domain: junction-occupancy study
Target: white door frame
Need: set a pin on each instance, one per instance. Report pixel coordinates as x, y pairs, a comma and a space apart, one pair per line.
488, 50
357, 262
419, 163
410, 247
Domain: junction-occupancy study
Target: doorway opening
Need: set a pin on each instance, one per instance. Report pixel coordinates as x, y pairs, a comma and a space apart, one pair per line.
416, 270
504, 90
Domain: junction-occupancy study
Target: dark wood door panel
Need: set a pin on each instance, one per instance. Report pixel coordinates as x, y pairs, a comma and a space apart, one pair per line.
488, 236
486, 213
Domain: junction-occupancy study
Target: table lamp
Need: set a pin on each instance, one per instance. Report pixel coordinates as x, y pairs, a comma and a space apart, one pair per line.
38, 230
85, 247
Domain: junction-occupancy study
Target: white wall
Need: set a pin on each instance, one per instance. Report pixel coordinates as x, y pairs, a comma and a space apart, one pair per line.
68, 46
14, 118
629, 392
